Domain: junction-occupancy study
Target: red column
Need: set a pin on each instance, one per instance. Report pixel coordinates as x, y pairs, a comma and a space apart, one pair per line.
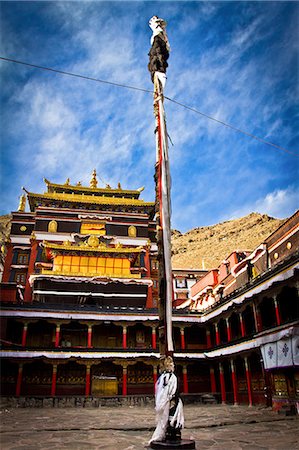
87, 381
155, 376
242, 325
124, 392
277, 312
24, 334
54, 379
234, 382
32, 259
185, 380
229, 333
154, 338
149, 300
89, 336
57, 335
212, 380
248, 379
208, 336
222, 384
257, 318
124, 337
217, 334
19, 380
7, 263
183, 345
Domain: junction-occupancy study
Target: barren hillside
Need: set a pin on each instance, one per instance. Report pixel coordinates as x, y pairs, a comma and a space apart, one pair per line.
208, 246
4, 227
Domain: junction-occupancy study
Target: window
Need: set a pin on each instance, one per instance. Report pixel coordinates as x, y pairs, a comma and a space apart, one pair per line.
23, 258
98, 228
20, 277
180, 283
155, 264
92, 265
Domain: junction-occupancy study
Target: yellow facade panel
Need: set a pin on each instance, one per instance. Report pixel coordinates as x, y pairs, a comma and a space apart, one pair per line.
92, 261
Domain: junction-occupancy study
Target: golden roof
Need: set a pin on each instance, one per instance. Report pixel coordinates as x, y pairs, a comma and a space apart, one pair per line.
54, 187
92, 199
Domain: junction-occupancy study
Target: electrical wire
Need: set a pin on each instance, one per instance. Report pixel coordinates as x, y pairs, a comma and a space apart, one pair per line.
62, 72
232, 127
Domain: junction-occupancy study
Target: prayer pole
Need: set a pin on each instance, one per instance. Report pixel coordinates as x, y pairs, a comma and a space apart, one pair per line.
159, 54
169, 406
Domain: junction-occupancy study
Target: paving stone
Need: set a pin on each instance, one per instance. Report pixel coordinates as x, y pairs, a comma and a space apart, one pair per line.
130, 427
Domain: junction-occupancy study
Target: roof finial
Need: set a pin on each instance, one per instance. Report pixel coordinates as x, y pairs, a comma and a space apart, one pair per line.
94, 182
22, 204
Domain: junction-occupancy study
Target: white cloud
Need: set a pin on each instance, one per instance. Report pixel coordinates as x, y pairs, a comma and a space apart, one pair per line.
67, 126
280, 203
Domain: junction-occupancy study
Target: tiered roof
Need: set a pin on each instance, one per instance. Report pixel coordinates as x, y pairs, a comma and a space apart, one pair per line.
91, 197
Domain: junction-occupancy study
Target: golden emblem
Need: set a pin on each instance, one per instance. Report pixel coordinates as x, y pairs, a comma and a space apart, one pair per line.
52, 226
132, 231
93, 241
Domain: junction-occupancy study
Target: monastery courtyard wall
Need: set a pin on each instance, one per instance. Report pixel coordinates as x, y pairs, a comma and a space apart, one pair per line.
129, 428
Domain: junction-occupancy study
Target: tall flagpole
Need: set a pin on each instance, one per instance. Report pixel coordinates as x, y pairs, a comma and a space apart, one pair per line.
157, 65
169, 406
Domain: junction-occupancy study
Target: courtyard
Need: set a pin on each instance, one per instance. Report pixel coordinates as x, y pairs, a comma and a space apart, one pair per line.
222, 427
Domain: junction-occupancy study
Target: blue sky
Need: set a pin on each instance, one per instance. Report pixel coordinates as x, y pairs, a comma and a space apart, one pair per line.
235, 61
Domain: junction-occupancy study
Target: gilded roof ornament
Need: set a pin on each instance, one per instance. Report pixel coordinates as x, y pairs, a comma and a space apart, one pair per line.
32, 237
93, 182
93, 241
22, 204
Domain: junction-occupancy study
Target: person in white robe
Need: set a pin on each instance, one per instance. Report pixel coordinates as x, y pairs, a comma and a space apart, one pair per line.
169, 406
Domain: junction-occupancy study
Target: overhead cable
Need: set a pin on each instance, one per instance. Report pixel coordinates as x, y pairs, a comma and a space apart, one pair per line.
98, 80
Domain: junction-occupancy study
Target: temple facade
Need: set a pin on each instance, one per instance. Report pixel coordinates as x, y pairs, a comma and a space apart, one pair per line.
79, 297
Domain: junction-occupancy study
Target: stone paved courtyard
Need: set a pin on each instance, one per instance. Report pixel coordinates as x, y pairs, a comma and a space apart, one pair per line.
130, 428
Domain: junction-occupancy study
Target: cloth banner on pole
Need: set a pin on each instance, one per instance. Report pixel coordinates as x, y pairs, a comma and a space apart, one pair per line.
165, 211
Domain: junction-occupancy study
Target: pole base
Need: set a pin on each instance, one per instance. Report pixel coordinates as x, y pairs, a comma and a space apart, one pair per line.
187, 444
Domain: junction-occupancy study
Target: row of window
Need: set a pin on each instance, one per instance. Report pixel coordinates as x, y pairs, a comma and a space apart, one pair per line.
91, 264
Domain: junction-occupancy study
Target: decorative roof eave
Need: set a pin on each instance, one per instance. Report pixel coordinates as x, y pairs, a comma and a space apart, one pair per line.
260, 287
93, 280
115, 315
96, 200
52, 186
53, 355
101, 248
74, 354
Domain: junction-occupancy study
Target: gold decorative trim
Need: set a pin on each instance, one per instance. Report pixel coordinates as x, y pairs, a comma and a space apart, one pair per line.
100, 248
89, 275
91, 189
99, 200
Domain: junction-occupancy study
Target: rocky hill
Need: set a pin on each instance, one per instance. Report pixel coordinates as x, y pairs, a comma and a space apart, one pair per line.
206, 247
4, 227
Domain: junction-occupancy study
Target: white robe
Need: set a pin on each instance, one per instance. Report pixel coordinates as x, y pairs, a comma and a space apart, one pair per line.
166, 388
